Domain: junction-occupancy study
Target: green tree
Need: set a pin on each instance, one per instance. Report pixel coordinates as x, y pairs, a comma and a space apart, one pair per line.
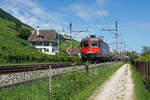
145, 50
24, 34
18, 27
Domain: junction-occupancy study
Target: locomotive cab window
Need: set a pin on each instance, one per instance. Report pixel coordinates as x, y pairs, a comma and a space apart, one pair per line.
94, 43
85, 44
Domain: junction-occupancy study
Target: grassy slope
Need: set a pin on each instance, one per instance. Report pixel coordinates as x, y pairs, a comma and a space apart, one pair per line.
64, 47
140, 89
16, 50
10, 45
10, 18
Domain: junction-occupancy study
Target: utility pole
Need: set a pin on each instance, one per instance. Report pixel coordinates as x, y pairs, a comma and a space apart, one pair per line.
115, 33
71, 31
125, 47
58, 44
70, 39
121, 43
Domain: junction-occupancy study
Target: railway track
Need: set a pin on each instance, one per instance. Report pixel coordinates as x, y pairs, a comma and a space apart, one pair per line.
33, 67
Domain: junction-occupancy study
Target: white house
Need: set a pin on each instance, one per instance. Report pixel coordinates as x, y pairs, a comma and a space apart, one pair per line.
45, 41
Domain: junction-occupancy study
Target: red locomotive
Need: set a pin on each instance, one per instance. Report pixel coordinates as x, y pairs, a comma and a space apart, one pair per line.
95, 49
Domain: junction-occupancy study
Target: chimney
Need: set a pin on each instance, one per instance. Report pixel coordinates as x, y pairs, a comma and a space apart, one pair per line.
38, 30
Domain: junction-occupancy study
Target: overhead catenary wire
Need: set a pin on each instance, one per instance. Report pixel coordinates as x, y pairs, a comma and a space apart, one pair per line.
68, 8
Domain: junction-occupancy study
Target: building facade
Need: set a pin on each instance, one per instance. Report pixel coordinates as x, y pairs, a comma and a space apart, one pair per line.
45, 41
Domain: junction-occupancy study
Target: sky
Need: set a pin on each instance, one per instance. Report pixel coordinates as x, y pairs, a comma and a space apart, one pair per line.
132, 16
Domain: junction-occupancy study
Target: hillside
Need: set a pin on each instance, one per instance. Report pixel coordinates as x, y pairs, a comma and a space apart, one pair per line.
66, 44
8, 17
16, 50
12, 48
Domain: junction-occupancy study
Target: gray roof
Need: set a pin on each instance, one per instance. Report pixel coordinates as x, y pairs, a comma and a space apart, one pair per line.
44, 36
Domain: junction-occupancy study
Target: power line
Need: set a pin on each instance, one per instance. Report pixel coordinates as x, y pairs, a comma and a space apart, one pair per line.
71, 31
115, 33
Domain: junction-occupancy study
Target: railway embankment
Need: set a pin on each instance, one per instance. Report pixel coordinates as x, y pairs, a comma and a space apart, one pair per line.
10, 78
76, 84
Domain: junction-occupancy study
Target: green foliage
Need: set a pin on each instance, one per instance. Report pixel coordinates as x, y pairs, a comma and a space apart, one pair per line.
24, 34
61, 39
18, 27
145, 57
68, 86
141, 93
87, 63
132, 57
76, 59
16, 50
97, 78
64, 44
145, 50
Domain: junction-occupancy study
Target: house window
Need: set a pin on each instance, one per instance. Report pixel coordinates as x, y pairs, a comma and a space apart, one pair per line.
46, 43
54, 44
39, 43
34, 43
53, 50
46, 50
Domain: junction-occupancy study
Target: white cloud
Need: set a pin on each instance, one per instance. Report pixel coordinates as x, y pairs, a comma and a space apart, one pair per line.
101, 3
31, 13
86, 12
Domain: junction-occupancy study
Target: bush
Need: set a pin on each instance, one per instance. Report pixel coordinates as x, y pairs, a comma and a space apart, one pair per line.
24, 34
144, 58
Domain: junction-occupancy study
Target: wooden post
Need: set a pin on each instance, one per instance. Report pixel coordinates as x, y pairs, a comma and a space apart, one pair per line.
87, 69
50, 80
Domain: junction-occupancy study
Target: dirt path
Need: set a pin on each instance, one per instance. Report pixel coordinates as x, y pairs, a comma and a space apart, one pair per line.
119, 87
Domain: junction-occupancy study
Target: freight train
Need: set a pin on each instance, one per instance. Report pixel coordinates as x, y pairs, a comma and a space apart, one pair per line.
95, 49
